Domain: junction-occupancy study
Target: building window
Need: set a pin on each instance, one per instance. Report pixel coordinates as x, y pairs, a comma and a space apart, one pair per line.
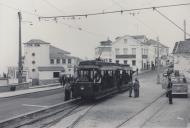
125, 51
55, 74
69, 61
133, 51
51, 61
125, 41
58, 61
125, 61
33, 70
133, 62
110, 60
142, 51
33, 62
33, 54
117, 51
63, 61
117, 61
29, 44
37, 45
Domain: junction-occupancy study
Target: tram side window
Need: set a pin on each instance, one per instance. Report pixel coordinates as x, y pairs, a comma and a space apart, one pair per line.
85, 75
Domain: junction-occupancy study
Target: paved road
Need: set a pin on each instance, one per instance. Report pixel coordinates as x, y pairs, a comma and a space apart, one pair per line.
119, 108
14, 106
173, 116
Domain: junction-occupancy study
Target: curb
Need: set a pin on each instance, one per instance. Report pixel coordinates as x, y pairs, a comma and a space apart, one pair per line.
28, 93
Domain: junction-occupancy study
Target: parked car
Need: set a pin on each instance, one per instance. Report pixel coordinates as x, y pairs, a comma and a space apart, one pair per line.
180, 85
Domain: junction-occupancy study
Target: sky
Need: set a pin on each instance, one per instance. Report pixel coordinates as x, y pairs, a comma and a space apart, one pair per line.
65, 33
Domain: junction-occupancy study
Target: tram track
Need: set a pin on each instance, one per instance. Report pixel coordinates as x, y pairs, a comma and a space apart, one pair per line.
77, 121
32, 118
142, 110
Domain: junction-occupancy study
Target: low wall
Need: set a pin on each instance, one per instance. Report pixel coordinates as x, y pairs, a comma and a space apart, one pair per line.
48, 81
3, 81
17, 86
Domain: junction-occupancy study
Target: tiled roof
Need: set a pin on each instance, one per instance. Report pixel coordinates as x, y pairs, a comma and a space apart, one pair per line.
182, 47
139, 37
51, 68
153, 42
36, 41
57, 52
108, 42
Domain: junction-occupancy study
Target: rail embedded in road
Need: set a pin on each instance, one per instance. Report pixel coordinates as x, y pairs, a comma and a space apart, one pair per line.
32, 117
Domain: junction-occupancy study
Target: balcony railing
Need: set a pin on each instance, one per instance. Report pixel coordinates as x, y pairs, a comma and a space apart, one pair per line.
125, 56
144, 56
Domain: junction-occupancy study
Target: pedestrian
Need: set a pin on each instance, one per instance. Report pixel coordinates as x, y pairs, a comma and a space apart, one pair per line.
60, 80
130, 88
136, 87
67, 89
137, 70
169, 91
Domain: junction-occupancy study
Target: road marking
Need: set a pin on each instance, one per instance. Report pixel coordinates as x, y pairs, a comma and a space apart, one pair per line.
31, 105
180, 118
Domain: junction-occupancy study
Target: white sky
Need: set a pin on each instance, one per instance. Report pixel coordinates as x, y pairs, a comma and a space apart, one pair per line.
96, 28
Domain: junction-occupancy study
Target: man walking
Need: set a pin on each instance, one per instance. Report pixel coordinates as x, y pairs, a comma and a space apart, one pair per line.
169, 91
136, 88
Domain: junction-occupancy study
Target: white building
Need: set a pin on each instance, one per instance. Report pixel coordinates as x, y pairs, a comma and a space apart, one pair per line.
181, 54
104, 50
45, 61
137, 51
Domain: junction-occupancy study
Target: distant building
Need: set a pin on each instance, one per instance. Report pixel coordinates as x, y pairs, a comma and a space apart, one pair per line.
181, 54
45, 61
137, 51
13, 74
104, 51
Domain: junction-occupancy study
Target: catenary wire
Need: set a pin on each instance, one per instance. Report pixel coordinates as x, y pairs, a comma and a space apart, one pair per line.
14, 8
171, 21
117, 11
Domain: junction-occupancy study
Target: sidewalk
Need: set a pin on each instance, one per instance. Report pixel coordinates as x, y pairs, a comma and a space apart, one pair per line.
30, 90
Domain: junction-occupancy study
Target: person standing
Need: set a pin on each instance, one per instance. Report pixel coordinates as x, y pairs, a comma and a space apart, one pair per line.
169, 91
137, 70
130, 88
136, 88
67, 89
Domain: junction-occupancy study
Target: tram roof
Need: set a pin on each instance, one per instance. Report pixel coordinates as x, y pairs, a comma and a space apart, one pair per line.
101, 64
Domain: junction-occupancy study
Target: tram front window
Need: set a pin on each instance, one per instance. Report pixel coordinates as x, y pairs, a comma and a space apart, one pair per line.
85, 75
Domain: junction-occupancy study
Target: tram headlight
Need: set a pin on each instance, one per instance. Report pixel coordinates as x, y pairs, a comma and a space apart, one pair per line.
81, 87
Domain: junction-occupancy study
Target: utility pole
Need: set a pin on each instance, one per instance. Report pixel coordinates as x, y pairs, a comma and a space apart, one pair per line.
158, 61
20, 51
184, 29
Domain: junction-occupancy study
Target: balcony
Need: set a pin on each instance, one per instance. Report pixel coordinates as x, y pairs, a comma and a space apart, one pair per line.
125, 56
144, 56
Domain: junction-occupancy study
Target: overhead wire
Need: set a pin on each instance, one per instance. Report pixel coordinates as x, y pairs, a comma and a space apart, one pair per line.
116, 11
69, 25
171, 21
18, 9
147, 26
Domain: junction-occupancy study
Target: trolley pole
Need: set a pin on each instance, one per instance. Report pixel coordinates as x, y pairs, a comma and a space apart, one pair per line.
158, 61
20, 51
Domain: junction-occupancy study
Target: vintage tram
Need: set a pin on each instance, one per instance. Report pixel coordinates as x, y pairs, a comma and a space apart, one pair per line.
97, 79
